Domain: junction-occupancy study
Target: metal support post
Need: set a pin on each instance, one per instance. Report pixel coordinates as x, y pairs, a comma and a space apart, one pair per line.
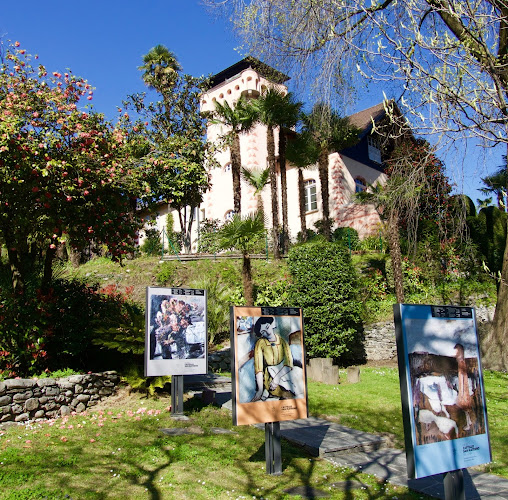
176, 395
272, 449
453, 482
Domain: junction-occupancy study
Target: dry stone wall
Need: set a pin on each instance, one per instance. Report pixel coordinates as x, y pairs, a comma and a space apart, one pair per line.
28, 399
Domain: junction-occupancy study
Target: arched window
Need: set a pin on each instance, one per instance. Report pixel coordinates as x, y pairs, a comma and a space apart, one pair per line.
229, 215
310, 195
227, 167
360, 184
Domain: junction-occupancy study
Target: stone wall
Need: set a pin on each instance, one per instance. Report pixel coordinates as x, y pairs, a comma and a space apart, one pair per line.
220, 360
28, 399
380, 337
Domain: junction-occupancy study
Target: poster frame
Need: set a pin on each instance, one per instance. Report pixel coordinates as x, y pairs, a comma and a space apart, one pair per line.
174, 366
426, 459
269, 410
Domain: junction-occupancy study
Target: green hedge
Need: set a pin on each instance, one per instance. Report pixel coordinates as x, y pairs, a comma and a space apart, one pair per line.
325, 286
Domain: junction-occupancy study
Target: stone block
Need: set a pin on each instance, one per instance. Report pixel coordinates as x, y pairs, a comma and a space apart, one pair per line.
106, 391
353, 374
52, 391
75, 379
5, 409
78, 389
5, 400
16, 409
330, 375
83, 398
19, 383
31, 404
7, 417
80, 408
22, 396
65, 385
2, 388
23, 417
43, 400
323, 370
44, 382
39, 414
50, 405
65, 410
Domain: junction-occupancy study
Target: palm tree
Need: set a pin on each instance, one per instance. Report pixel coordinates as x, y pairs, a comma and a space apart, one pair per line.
160, 68
258, 180
239, 118
330, 132
160, 72
278, 110
497, 183
243, 233
302, 153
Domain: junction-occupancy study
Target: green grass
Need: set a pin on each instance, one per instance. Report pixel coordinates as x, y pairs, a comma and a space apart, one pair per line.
122, 453
119, 451
373, 405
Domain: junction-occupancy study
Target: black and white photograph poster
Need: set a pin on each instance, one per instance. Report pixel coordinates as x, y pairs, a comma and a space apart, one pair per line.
176, 334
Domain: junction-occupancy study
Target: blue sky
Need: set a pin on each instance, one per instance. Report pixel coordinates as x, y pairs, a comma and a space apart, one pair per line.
104, 41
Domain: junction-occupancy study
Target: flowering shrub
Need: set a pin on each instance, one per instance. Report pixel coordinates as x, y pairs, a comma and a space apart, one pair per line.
65, 175
54, 329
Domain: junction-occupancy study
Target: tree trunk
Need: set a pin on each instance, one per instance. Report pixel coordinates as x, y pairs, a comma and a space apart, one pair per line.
496, 350
325, 193
301, 199
248, 291
236, 166
270, 146
186, 227
48, 269
395, 254
284, 191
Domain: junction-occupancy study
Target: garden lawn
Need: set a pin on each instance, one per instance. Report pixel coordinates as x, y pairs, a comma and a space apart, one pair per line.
373, 405
122, 453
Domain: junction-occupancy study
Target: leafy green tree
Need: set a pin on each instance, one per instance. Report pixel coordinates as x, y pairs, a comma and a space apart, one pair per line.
416, 189
243, 233
278, 110
65, 173
172, 144
329, 132
237, 119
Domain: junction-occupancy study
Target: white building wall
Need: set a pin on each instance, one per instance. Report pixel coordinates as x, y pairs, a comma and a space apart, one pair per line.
218, 201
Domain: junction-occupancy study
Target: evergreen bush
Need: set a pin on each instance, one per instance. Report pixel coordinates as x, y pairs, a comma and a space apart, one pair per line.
347, 236
152, 244
325, 286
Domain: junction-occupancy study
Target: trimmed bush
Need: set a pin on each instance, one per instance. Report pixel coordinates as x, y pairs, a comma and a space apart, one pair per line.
348, 236
325, 286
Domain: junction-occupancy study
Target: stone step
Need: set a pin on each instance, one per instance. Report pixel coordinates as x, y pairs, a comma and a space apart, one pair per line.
321, 438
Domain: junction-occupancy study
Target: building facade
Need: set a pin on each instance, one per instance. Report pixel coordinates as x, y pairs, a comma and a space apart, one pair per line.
350, 170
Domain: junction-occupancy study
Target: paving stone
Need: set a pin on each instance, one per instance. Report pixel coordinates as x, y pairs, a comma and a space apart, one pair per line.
182, 431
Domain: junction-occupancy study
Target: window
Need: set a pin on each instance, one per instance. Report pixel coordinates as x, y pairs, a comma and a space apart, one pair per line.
374, 149
360, 185
310, 195
227, 167
229, 215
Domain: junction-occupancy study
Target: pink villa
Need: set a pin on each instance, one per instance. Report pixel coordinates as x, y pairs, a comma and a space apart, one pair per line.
350, 170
